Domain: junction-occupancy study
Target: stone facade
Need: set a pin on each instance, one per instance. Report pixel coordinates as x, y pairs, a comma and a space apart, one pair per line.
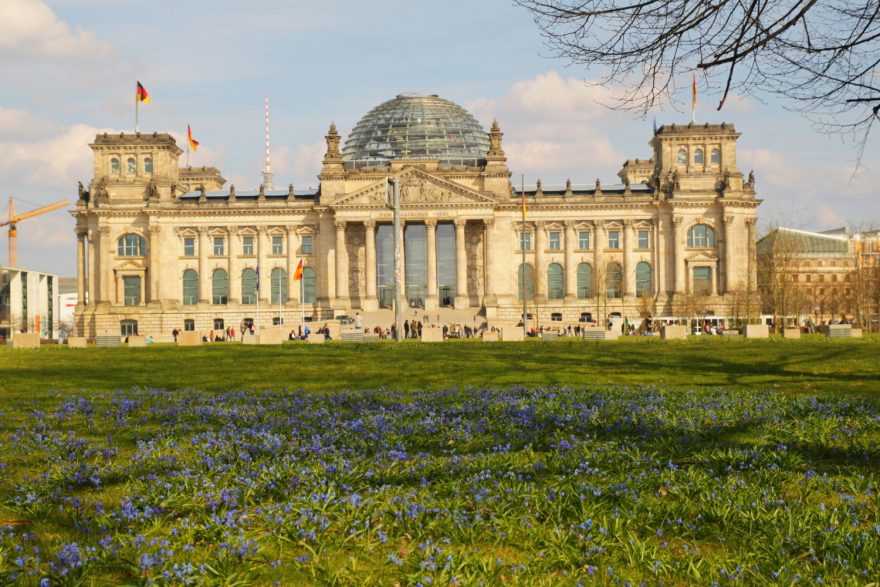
681, 224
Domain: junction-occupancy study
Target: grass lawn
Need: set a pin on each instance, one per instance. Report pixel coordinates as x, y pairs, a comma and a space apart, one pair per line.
704, 462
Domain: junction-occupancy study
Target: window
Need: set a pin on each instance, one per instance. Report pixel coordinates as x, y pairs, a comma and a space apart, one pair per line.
189, 325
305, 247
809, 278
698, 156
219, 245
702, 280
554, 282
556, 317
525, 241
249, 287
190, 287
554, 240
189, 246
643, 279
219, 324
114, 166
148, 165
308, 285
715, 157
584, 281
132, 166
247, 245
279, 285
131, 285
643, 239
131, 245
682, 156
128, 327
277, 245
584, 239
277, 321
526, 282
219, 287
613, 280
613, 239
586, 317
701, 236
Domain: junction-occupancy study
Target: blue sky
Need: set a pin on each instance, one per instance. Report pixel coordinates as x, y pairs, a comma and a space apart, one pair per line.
67, 71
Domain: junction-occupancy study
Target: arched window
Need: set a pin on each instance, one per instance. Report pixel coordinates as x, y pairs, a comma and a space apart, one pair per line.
701, 236
554, 282
131, 245
643, 279
715, 157
308, 285
132, 166
698, 156
682, 156
613, 280
220, 287
525, 282
248, 286
585, 281
279, 285
190, 287
148, 165
114, 165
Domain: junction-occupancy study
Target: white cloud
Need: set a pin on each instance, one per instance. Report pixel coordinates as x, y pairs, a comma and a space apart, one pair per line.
554, 124
31, 29
301, 164
20, 123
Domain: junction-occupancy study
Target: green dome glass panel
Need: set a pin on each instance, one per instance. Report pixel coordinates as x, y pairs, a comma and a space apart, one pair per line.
413, 126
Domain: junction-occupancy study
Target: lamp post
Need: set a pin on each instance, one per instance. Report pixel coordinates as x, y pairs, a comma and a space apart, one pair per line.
393, 193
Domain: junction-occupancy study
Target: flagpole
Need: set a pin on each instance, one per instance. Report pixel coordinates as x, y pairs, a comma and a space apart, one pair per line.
521, 234
136, 109
257, 324
302, 308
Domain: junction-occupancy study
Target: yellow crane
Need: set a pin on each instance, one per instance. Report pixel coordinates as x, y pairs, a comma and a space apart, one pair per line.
14, 219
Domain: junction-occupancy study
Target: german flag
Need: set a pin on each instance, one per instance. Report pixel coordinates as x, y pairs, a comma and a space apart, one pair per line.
142, 95
193, 144
298, 274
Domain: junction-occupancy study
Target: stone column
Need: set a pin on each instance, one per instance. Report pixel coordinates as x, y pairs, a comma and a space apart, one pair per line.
106, 295
371, 301
234, 267
205, 294
570, 265
81, 267
598, 261
659, 256
726, 277
341, 266
629, 269
292, 264
678, 256
93, 267
153, 267
752, 270
431, 300
264, 277
461, 298
540, 276
490, 297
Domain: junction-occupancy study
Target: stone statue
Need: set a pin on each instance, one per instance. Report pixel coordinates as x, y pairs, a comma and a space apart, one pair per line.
81, 190
725, 183
675, 182
752, 179
152, 190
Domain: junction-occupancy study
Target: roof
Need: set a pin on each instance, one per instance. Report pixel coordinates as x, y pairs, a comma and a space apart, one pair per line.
307, 194
588, 189
804, 242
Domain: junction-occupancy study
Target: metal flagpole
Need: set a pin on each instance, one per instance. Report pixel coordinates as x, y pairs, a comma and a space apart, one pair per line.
137, 100
302, 308
398, 259
257, 323
521, 243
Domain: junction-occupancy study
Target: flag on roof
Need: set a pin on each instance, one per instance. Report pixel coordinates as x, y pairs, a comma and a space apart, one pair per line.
194, 144
142, 94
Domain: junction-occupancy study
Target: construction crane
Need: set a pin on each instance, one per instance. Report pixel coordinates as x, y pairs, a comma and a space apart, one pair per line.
14, 219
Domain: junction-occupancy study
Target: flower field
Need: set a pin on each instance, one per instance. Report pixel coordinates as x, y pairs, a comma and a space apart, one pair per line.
513, 486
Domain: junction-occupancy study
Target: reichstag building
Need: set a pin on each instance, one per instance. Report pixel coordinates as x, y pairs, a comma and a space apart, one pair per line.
161, 246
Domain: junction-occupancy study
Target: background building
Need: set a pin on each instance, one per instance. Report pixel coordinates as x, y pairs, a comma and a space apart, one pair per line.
28, 303
160, 247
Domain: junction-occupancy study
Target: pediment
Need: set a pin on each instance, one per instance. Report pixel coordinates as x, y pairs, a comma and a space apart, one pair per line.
417, 189
130, 265
701, 257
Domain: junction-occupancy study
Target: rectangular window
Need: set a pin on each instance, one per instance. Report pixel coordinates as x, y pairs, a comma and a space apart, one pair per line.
128, 327
584, 239
132, 287
219, 245
247, 245
306, 246
525, 241
643, 239
277, 245
702, 280
218, 324
189, 325
613, 239
554, 240
189, 246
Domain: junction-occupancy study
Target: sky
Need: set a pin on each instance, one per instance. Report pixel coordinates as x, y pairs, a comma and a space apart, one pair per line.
68, 71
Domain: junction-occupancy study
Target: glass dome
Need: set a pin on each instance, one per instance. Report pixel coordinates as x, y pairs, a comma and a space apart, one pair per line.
413, 126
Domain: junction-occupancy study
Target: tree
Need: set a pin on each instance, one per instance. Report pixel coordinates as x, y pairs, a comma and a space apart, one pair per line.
823, 56
777, 255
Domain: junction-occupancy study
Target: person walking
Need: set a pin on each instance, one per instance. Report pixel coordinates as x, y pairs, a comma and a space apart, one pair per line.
174, 334
406, 329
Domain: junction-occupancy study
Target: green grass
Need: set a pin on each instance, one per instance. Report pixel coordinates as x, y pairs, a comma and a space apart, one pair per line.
813, 365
